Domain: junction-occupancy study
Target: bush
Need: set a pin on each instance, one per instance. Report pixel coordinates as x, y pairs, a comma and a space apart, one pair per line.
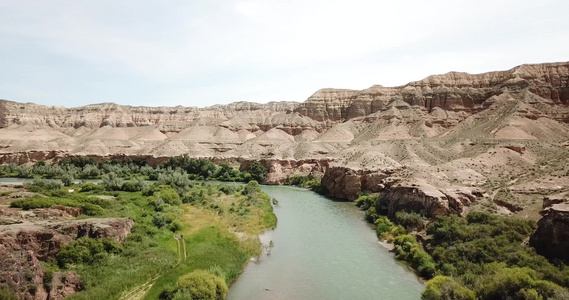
409, 220
67, 179
365, 202
159, 220
33, 203
112, 182
371, 215
203, 285
46, 184
443, 287
383, 225
169, 196
252, 189
86, 251
407, 248
257, 171
89, 186
518, 283
92, 209
176, 225
6, 293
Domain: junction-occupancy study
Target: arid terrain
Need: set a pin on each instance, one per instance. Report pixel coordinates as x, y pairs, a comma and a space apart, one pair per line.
498, 140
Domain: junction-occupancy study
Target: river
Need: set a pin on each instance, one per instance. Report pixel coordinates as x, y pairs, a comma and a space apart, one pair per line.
323, 250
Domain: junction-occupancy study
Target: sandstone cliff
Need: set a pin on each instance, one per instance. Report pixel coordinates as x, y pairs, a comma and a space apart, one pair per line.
454, 91
503, 133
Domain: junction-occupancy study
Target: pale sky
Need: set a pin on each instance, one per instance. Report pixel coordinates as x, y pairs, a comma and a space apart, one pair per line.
201, 53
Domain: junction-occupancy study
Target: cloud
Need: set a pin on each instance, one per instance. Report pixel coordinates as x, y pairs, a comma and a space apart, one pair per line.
202, 53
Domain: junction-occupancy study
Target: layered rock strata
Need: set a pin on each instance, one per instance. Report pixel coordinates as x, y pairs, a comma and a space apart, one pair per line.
490, 131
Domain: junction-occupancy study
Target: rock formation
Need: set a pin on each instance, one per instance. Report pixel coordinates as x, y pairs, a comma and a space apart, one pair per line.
501, 133
27, 240
551, 238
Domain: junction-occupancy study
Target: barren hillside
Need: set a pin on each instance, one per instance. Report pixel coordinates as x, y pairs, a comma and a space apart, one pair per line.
498, 140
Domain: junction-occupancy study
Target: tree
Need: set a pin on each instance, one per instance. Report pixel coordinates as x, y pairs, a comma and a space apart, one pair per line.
443, 287
67, 179
257, 171
203, 285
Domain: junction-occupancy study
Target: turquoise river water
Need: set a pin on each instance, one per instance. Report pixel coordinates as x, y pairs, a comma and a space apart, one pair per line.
323, 250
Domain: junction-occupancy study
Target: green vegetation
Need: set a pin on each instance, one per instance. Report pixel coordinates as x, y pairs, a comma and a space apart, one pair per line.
408, 249
199, 284
443, 287
257, 171
304, 181
6, 293
86, 251
482, 256
114, 172
365, 202
207, 216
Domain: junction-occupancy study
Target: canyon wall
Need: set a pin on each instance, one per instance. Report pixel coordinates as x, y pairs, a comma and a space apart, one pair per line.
453, 91
449, 132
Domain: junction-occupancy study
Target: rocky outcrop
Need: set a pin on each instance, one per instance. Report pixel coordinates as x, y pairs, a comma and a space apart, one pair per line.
347, 183
31, 156
551, 238
166, 119
426, 199
550, 201
453, 91
64, 285
24, 244
116, 229
3, 109
279, 170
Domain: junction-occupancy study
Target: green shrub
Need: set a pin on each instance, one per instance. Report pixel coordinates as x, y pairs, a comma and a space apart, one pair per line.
365, 202
175, 226
407, 248
92, 209
67, 179
89, 186
86, 251
383, 225
38, 202
159, 220
252, 189
517, 283
112, 181
6, 293
371, 215
257, 171
169, 196
443, 287
203, 285
409, 220
45, 184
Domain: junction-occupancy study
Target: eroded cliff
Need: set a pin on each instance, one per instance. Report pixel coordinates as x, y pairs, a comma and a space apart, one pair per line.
450, 132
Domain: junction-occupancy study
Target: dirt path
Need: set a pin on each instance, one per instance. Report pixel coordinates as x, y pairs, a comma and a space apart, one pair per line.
138, 292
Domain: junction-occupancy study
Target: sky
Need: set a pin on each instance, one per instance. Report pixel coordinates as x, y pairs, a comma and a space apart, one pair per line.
200, 53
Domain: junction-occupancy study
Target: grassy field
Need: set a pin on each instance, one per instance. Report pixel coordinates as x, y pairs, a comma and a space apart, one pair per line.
219, 224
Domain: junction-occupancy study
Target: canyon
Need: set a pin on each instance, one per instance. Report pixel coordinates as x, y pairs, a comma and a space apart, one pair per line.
499, 135
447, 144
